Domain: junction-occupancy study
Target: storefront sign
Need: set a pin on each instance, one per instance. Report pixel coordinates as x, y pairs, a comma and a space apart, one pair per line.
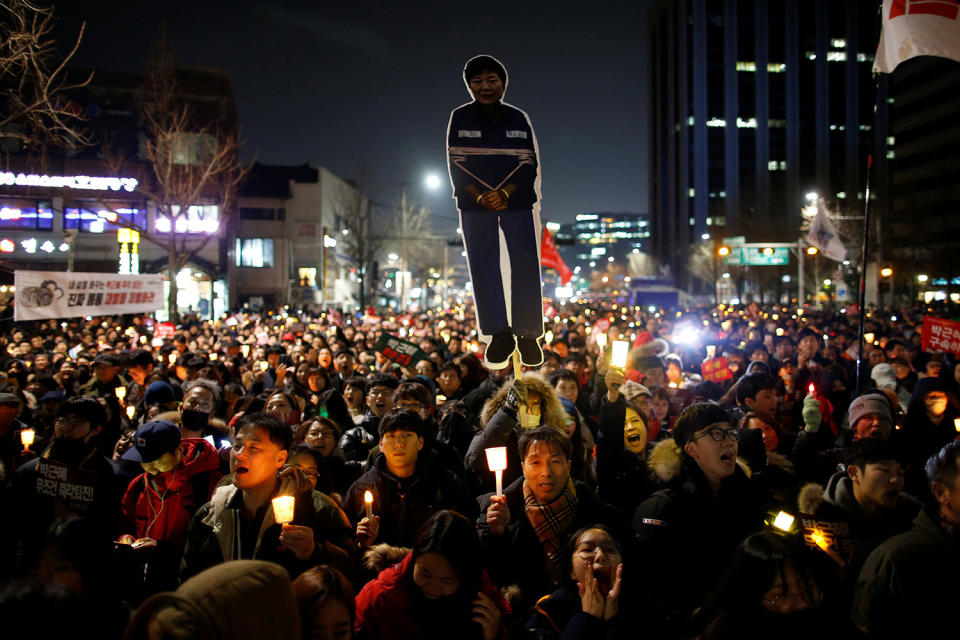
87, 183
54, 294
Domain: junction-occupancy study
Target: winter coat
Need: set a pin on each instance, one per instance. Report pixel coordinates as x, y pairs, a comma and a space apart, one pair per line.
924, 438
404, 504
161, 506
908, 586
214, 535
684, 534
560, 615
517, 556
358, 441
623, 479
502, 429
387, 608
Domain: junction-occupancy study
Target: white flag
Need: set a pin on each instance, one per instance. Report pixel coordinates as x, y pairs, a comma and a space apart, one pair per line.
917, 28
823, 236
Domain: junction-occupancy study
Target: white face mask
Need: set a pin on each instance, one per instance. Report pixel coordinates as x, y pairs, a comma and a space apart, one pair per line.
532, 419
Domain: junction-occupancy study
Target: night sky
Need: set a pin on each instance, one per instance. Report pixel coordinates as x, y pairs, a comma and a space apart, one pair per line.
343, 85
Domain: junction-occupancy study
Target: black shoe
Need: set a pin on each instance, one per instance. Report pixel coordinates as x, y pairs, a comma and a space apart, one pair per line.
531, 355
501, 347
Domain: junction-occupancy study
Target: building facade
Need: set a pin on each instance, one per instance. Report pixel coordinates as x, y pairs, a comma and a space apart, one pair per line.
754, 105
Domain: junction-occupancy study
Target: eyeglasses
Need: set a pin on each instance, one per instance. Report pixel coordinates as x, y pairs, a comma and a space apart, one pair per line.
412, 406
379, 391
718, 434
73, 423
310, 473
588, 551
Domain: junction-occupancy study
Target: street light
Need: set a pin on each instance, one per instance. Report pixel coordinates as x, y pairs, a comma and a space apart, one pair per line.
723, 251
432, 181
886, 272
812, 251
812, 196
922, 277
768, 251
827, 282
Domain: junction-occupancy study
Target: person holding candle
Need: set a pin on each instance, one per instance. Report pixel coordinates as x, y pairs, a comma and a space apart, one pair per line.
523, 532
238, 522
438, 590
407, 482
501, 427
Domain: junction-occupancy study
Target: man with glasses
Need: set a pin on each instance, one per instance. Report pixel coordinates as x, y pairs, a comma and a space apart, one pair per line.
686, 531
407, 483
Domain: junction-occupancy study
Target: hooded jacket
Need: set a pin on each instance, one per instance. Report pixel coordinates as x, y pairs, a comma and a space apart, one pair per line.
384, 608
924, 438
858, 533
161, 506
502, 429
685, 533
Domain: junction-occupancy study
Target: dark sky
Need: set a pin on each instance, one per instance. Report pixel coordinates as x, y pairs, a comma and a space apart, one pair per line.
347, 84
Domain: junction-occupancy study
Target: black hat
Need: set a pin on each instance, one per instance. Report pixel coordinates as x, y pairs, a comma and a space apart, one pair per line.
153, 439
696, 417
107, 358
158, 392
9, 399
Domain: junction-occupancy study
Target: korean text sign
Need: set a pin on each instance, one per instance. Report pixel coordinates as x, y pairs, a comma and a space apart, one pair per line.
52, 294
940, 335
404, 353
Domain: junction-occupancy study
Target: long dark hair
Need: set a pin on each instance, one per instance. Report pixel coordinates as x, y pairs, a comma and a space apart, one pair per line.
314, 588
753, 570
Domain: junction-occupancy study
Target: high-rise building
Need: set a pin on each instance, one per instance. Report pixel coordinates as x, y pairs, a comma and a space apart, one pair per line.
596, 239
753, 105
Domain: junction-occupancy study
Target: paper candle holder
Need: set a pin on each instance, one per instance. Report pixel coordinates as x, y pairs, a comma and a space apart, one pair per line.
619, 357
283, 509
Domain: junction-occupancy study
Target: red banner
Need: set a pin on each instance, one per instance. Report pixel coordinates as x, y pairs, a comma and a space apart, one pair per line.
550, 257
716, 369
940, 335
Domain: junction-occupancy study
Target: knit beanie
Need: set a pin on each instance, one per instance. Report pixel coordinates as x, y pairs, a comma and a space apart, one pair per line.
867, 404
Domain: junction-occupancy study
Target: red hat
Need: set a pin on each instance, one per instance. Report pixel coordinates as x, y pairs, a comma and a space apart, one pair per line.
289, 337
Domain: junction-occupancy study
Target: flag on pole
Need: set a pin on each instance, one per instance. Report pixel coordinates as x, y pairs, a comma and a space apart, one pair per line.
917, 28
550, 257
824, 237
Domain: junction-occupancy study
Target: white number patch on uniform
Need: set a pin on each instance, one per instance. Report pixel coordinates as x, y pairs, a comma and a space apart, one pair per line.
465, 133
517, 134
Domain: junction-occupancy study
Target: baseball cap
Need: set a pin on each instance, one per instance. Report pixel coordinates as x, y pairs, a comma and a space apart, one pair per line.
153, 439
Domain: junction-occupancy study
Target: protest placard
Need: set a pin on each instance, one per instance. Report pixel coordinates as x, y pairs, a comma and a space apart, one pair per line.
404, 353
53, 294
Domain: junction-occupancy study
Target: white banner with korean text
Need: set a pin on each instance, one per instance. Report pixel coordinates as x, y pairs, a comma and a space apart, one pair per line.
41, 295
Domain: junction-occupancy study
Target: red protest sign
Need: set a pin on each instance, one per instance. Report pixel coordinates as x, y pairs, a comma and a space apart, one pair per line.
716, 369
164, 330
940, 335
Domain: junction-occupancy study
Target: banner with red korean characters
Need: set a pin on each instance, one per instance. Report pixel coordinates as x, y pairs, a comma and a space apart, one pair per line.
41, 295
940, 335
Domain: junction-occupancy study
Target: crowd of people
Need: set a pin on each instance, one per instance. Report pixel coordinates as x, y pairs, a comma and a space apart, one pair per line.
736, 476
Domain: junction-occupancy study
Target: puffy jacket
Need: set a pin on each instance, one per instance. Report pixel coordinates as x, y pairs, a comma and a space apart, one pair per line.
357, 442
404, 504
161, 506
386, 609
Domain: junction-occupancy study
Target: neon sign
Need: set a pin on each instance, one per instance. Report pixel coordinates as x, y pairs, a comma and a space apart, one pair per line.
87, 183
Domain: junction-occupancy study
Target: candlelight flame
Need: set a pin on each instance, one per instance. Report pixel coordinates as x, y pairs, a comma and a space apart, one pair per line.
368, 497
819, 539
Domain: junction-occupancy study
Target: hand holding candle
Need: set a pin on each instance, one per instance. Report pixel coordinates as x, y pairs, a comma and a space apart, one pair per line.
368, 502
26, 438
497, 461
619, 357
283, 509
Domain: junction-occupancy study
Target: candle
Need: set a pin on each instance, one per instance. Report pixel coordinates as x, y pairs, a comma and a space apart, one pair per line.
131, 411
783, 521
264, 365
213, 357
819, 539
173, 357
283, 509
619, 358
497, 461
601, 341
26, 437
368, 502
956, 424
245, 349
812, 389
548, 337
121, 393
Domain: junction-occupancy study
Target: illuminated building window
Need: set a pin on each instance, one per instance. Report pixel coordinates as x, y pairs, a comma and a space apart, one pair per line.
838, 43
716, 122
254, 252
692, 192
749, 123
836, 56
746, 66
776, 67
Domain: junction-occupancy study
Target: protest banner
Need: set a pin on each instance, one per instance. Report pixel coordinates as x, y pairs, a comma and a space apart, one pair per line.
42, 295
164, 330
940, 335
74, 486
404, 353
716, 369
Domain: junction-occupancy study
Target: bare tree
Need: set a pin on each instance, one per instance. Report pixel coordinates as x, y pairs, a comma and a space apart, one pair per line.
361, 242
412, 230
33, 114
188, 163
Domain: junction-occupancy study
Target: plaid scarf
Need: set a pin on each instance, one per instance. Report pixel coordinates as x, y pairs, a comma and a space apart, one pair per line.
551, 522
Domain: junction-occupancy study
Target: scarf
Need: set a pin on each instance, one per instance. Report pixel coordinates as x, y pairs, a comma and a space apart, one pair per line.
551, 522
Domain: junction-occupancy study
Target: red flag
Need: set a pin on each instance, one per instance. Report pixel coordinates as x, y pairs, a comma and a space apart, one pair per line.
550, 257
917, 28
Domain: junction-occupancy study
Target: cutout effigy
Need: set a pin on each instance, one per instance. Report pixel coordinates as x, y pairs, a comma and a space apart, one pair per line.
495, 173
